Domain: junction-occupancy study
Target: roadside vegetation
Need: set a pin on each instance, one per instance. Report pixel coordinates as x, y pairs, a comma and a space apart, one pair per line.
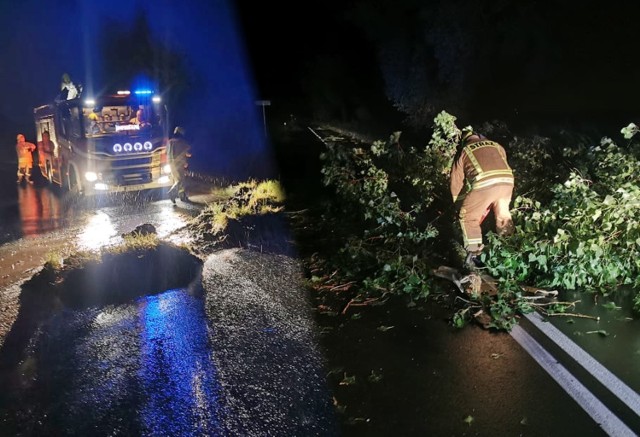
249, 216
575, 209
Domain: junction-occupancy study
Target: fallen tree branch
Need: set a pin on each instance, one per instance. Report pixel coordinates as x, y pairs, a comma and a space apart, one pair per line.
578, 315
333, 287
354, 302
341, 287
546, 304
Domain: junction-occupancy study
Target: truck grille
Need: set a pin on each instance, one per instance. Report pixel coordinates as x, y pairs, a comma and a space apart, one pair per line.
132, 162
132, 170
132, 177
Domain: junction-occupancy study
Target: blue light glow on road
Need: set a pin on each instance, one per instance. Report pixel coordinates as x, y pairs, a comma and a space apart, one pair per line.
176, 370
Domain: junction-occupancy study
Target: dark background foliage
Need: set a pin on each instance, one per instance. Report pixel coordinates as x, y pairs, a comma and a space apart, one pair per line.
518, 61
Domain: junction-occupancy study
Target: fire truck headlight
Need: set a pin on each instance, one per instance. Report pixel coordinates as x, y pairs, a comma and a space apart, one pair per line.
117, 148
163, 180
148, 145
127, 147
91, 176
137, 147
166, 169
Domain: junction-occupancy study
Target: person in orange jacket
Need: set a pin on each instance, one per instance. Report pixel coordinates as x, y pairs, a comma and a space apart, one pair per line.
481, 180
24, 151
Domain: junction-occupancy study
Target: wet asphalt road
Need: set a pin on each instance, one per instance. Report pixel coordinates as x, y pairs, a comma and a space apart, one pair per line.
141, 368
171, 362
231, 354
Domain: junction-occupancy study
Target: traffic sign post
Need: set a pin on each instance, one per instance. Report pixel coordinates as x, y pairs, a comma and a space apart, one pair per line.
264, 103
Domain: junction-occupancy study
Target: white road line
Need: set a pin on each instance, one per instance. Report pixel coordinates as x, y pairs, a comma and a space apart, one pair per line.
630, 398
608, 421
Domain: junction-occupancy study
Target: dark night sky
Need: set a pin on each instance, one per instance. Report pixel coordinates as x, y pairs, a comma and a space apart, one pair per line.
571, 57
42, 40
282, 38
286, 40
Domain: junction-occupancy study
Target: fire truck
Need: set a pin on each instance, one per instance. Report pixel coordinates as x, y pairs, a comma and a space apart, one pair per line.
105, 144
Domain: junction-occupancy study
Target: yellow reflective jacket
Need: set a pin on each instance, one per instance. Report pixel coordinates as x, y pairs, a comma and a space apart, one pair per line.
25, 158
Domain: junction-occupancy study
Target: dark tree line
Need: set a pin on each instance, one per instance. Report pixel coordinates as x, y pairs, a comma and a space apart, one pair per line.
478, 59
502, 56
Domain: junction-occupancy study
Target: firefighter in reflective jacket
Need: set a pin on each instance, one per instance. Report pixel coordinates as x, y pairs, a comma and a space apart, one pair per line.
24, 151
179, 151
481, 180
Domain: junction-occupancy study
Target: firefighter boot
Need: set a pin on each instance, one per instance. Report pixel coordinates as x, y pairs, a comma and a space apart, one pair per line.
472, 261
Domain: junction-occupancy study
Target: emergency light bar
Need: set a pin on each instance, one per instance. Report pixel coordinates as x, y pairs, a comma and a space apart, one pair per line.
124, 92
142, 92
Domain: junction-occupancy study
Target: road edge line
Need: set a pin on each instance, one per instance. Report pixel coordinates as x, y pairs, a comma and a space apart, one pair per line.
608, 421
604, 376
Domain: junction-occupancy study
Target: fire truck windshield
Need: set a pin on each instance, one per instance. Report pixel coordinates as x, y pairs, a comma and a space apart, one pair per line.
120, 119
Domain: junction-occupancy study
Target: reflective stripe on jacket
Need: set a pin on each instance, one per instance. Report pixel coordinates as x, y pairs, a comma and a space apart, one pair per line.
25, 158
481, 164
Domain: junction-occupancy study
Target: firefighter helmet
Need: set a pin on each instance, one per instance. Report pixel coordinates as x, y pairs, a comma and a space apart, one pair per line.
465, 134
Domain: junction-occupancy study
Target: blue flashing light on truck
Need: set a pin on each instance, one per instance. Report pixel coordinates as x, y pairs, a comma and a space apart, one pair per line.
106, 144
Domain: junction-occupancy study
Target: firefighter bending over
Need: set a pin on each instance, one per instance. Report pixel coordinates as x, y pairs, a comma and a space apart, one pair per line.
481, 180
179, 150
24, 151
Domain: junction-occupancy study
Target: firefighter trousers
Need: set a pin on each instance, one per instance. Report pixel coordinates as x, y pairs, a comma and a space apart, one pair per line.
476, 206
177, 189
24, 171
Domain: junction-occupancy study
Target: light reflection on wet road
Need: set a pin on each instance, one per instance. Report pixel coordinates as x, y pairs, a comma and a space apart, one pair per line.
104, 226
175, 357
31, 211
141, 368
40, 210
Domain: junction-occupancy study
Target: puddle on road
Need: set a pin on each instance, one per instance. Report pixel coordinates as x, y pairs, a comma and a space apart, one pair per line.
96, 353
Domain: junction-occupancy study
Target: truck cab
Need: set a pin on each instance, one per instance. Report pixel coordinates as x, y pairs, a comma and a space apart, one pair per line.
108, 143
